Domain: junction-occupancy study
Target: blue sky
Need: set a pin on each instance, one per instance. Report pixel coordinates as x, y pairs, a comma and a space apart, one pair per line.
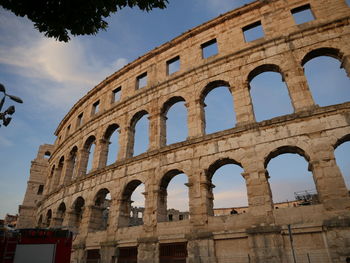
51, 76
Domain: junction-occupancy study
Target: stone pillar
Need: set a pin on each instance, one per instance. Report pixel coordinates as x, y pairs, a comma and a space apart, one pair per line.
195, 118
148, 250
161, 197
201, 248
266, 244
154, 131
95, 222
82, 162
296, 81
108, 252
162, 130
259, 193
345, 63
242, 102
123, 143
78, 253
102, 153
331, 188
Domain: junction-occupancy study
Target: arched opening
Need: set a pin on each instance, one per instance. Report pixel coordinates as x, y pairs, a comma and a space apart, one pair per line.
132, 203
71, 165
100, 211
269, 92
174, 121
342, 153
57, 176
48, 218
61, 212
227, 190
88, 154
138, 134
327, 80
77, 215
173, 199
218, 106
51, 179
291, 183
112, 143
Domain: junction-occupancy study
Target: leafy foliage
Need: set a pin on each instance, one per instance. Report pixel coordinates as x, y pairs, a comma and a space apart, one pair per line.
59, 18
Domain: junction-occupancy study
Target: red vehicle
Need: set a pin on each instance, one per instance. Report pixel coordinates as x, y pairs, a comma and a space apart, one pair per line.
35, 246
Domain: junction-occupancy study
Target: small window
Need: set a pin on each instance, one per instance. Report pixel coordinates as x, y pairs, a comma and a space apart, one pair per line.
209, 48
47, 155
170, 216
173, 65
302, 14
181, 217
116, 94
253, 31
139, 215
95, 107
79, 120
68, 130
40, 189
141, 81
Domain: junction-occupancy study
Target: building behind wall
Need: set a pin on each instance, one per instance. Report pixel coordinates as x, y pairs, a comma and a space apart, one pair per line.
62, 193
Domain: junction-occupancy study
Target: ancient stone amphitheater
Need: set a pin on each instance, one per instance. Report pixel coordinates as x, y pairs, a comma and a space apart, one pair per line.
62, 193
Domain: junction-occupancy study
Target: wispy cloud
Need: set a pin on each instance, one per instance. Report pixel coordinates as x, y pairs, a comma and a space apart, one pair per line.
66, 68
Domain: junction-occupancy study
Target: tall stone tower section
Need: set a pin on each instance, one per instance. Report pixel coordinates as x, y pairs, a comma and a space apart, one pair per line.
35, 187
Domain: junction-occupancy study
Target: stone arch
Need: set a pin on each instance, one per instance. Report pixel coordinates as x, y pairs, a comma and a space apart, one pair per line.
100, 210
277, 92
51, 178
209, 173
329, 84
77, 213
162, 209
132, 131
87, 154
71, 167
58, 173
305, 197
126, 208
48, 218
164, 118
323, 51
204, 115
60, 215
341, 155
105, 148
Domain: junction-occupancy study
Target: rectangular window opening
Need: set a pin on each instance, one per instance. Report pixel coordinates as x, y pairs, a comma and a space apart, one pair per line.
95, 107
141, 81
253, 31
40, 189
173, 65
302, 14
79, 120
68, 130
348, 2
209, 48
116, 94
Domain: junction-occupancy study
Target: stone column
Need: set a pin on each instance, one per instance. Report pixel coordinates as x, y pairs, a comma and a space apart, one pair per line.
195, 118
258, 189
331, 188
242, 102
154, 131
148, 250
108, 252
68, 170
95, 222
345, 63
102, 152
201, 248
82, 162
296, 81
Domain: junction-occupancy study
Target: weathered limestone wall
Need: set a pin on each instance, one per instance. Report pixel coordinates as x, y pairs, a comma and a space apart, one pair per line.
260, 235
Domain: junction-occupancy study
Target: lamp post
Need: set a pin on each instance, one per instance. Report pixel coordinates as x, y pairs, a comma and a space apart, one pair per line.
10, 110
